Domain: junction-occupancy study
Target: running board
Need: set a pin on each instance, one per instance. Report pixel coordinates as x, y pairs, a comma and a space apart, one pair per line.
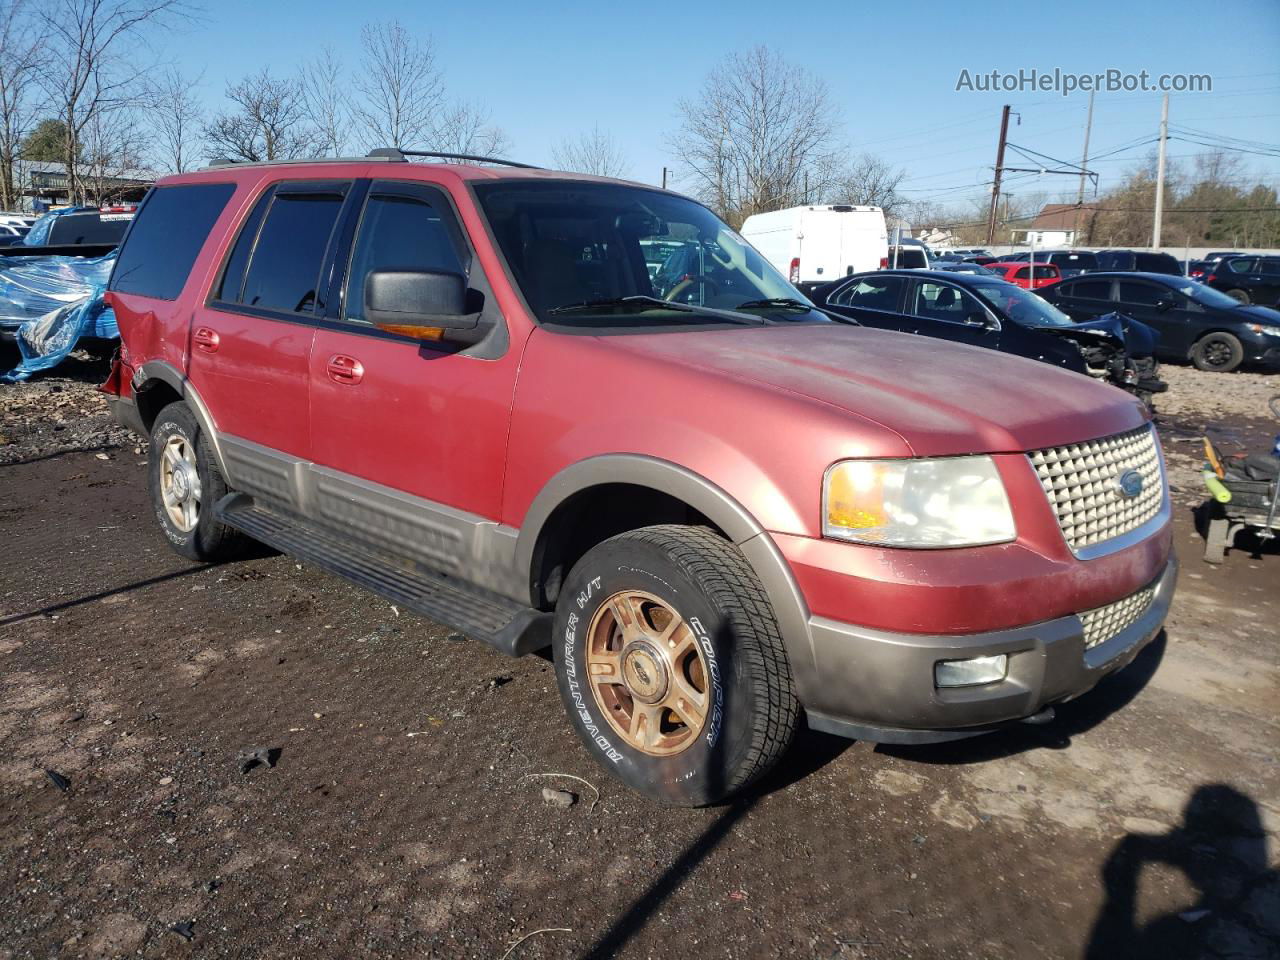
497, 620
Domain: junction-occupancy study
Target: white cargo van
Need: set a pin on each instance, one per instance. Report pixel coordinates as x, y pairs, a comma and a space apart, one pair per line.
812, 245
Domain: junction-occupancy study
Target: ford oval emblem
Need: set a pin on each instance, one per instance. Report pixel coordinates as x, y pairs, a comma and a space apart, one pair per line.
1129, 484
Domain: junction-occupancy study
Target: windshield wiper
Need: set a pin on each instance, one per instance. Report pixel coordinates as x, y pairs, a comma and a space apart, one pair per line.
641, 302
785, 302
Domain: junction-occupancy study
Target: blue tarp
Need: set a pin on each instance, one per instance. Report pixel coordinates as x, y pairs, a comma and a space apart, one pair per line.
53, 302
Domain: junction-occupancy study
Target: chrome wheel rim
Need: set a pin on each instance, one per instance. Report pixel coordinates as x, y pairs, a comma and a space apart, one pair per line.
647, 673
180, 483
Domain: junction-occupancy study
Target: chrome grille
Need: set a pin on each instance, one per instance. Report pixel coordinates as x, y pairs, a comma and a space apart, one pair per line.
1103, 623
1082, 481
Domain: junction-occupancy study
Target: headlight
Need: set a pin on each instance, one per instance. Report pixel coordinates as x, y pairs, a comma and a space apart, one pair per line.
947, 502
1263, 328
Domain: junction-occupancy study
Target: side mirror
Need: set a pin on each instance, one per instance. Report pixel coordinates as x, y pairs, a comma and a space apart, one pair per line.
976, 318
422, 304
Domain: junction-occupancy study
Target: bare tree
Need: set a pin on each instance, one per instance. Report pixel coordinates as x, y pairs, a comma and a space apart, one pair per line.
176, 120
20, 60
325, 96
268, 122
595, 152
869, 181
465, 128
114, 144
94, 67
401, 90
757, 128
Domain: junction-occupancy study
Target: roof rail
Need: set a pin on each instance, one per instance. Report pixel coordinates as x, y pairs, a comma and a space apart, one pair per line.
392, 153
218, 162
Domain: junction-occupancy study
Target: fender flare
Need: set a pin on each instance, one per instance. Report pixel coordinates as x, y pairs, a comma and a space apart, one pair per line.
170, 375
711, 501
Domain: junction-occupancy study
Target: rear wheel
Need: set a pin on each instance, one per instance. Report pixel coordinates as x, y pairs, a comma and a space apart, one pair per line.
1218, 352
1240, 296
185, 483
671, 665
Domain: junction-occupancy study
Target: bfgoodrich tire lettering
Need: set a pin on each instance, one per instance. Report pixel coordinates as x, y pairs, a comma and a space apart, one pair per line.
176, 437
742, 679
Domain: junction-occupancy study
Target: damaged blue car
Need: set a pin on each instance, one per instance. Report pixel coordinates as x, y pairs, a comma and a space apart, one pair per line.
985, 311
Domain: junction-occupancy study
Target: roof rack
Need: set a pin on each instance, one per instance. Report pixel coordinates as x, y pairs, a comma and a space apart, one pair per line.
217, 162
392, 153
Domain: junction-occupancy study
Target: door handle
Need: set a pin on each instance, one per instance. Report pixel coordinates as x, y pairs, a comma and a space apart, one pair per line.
344, 369
206, 339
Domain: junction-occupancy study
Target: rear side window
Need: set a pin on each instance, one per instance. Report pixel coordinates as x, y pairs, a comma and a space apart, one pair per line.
233, 275
1114, 260
1270, 268
1241, 265
878, 293
170, 231
401, 231
284, 270
1089, 289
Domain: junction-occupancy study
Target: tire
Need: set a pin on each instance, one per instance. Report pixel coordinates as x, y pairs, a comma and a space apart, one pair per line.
1217, 352
728, 658
176, 435
1240, 296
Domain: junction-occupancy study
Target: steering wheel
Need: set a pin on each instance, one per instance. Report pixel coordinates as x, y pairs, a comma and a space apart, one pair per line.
686, 282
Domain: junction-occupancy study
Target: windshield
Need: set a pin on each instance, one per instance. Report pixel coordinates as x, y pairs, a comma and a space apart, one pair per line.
599, 248
1021, 306
1207, 296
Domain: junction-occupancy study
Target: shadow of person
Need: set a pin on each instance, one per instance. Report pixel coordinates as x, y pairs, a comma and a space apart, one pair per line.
1221, 848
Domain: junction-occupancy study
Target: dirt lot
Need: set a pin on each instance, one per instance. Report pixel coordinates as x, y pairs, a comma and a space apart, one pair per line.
404, 817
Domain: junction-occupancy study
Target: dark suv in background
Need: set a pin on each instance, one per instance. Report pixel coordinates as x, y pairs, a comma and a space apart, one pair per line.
1247, 279
1069, 262
1142, 261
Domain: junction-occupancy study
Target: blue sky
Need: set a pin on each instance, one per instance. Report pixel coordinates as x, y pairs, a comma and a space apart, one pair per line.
549, 71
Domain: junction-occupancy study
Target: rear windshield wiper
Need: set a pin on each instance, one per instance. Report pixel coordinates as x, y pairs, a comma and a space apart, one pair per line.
641, 302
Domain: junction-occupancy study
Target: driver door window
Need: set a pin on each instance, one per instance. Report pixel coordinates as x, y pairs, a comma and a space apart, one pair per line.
1139, 294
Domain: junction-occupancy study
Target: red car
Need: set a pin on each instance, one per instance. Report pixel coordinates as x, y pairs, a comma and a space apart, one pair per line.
1020, 273
460, 387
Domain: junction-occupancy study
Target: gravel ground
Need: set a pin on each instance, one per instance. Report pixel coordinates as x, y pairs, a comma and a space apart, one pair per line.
403, 814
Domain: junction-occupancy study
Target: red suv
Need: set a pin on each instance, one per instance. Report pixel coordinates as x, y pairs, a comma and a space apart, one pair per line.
1021, 273
462, 387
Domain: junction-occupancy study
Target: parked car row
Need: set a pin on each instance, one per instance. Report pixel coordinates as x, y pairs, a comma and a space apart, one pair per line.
985, 311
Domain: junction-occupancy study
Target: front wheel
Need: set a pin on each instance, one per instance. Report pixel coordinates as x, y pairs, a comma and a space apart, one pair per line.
671, 665
185, 483
1217, 352
1239, 296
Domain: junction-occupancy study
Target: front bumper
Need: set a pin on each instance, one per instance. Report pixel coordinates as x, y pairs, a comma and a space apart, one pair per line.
885, 681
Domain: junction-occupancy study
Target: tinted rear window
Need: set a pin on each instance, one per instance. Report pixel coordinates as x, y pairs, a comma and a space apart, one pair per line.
285, 269
1075, 261
1158, 263
89, 228
1115, 259
170, 231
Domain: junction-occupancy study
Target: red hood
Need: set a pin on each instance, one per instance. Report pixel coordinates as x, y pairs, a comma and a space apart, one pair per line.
942, 398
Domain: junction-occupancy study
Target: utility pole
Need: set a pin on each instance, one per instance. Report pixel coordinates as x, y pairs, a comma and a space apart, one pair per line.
664, 178
995, 187
1084, 166
1164, 137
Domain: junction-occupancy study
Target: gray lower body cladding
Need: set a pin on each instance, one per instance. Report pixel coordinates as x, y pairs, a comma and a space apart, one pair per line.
880, 686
